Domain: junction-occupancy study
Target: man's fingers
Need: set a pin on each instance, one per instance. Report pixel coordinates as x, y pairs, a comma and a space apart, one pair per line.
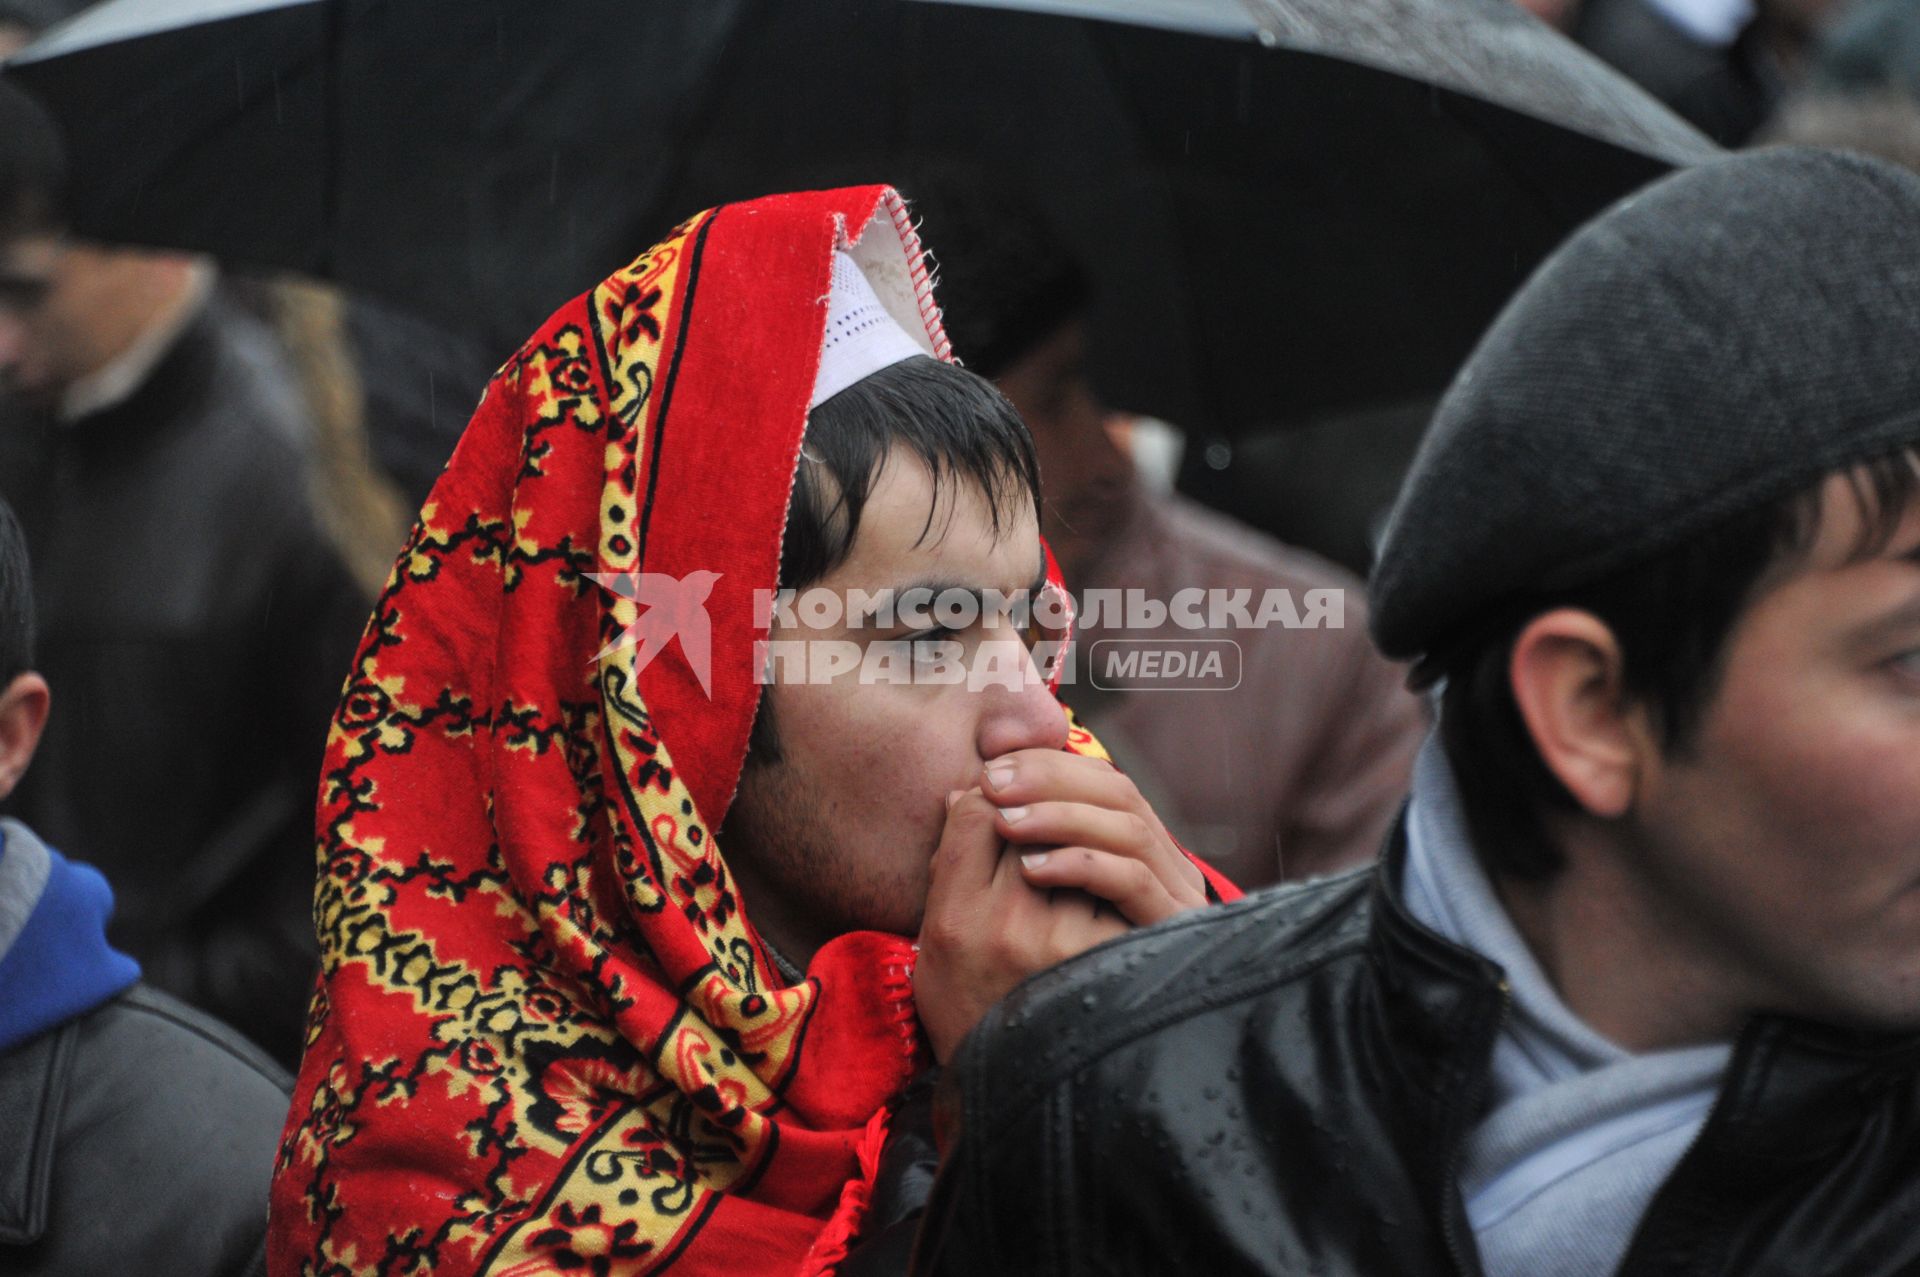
1035, 775
1023, 780
1128, 885
1124, 833
1065, 824
969, 850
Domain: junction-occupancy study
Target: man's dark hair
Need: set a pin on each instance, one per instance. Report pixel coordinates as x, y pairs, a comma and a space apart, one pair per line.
1672, 616
16, 599
33, 168
954, 421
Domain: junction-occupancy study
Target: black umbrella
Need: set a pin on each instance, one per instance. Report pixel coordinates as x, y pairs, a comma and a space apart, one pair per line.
1288, 205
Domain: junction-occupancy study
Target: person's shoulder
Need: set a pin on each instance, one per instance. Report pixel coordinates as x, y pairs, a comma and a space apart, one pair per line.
168, 1041
168, 1123
173, 1077
256, 389
1224, 545
1220, 962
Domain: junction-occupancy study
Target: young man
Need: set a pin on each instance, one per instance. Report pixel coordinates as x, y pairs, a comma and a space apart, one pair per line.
1636, 988
617, 937
1293, 761
195, 616
129, 1124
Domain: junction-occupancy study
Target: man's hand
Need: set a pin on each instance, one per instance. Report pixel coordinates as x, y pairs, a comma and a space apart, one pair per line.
986, 929
1092, 860
1079, 822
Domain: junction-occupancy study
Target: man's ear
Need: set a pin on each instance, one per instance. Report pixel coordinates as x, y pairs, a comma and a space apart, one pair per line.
23, 716
1569, 681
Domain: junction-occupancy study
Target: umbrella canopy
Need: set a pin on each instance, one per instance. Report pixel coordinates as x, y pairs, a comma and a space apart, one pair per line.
1288, 206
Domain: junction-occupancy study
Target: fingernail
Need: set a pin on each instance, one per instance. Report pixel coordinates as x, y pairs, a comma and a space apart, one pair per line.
1033, 860
1013, 815
953, 796
1000, 777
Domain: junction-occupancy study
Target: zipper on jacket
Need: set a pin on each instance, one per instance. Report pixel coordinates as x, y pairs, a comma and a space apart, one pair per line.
1452, 1208
1629, 1259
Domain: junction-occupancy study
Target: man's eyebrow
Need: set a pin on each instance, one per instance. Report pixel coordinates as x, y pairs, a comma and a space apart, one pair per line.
900, 593
934, 589
1898, 621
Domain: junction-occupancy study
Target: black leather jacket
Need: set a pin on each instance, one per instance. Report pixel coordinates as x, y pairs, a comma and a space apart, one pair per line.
1283, 1085
137, 1138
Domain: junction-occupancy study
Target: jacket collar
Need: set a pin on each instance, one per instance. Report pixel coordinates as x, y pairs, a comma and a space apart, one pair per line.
1794, 1090
183, 374
33, 1088
1434, 1009
129, 370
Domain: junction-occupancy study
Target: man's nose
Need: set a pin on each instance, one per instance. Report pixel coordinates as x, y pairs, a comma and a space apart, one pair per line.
1026, 716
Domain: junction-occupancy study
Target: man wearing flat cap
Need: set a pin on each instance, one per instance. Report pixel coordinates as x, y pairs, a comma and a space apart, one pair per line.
1636, 986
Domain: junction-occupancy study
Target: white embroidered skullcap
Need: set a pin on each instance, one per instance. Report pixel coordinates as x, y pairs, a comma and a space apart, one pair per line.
862, 338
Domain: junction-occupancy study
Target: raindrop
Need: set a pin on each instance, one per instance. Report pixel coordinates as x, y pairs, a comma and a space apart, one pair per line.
1268, 40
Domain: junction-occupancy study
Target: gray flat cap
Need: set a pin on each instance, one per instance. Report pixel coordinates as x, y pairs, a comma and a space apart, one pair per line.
1713, 343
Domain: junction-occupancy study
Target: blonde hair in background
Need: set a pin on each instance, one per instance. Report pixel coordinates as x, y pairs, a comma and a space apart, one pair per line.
361, 507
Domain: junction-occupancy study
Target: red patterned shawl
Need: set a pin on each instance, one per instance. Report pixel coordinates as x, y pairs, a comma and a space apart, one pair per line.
546, 1040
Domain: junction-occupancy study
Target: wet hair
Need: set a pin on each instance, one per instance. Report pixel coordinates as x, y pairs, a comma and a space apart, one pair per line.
33, 168
16, 599
953, 421
1672, 616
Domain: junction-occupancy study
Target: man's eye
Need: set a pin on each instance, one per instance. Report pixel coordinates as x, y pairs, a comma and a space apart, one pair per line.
1907, 665
928, 645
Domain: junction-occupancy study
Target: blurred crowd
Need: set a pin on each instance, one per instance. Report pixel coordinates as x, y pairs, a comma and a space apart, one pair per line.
195, 671
213, 472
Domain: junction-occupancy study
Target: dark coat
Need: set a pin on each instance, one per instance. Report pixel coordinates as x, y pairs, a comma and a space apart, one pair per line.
1283, 1086
195, 624
137, 1138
